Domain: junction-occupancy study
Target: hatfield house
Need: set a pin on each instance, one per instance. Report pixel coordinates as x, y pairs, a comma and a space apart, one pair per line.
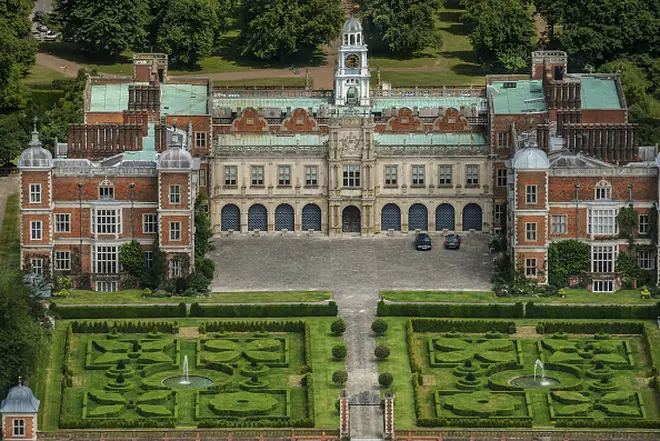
541, 157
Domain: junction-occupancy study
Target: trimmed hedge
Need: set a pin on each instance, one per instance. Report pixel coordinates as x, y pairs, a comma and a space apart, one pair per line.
637, 312
265, 310
473, 326
116, 328
593, 327
127, 311
115, 423
488, 310
613, 423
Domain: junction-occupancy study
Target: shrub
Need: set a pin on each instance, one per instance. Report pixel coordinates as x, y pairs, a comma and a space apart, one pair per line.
339, 377
338, 327
641, 312
385, 379
379, 326
382, 351
489, 310
339, 352
124, 311
207, 268
265, 310
474, 326
147, 292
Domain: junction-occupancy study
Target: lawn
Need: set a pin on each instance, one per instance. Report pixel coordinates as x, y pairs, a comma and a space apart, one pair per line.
42, 75
10, 243
276, 358
572, 296
451, 397
128, 296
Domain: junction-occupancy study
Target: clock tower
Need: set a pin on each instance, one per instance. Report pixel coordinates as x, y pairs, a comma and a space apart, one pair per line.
352, 74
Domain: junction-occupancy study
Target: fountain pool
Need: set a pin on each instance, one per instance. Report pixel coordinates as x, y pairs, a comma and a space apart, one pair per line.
193, 382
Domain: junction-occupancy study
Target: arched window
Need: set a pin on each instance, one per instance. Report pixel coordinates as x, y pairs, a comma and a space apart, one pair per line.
352, 39
603, 191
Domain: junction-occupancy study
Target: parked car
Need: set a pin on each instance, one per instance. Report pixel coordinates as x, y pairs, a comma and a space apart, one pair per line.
51, 35
38, 16
42, 28
452, 241
422, 241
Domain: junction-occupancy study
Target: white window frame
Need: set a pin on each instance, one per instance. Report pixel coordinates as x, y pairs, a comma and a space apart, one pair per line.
418, 175
105, 259
62, 261
148, 259
231, 175
603, 191
500, 213
106, 286
62, 222
36, 230
646, 259
502, 177
391, 175
37, 264
444, 174
531, 196
530, 267
603, 258
257, 173
106, 193
200, 140
602, 221
311, 175
175, 194
202, 177
472, 175
602, 286
35, 193
530, 231
644, 224
283, 175
351, 176
175, 231
150, 223
175, 268
106, 221
559, 224
19, 427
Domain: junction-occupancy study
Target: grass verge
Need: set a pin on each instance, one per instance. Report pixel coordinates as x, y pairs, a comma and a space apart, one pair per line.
131, 296
10, 243
572, 296
41, 75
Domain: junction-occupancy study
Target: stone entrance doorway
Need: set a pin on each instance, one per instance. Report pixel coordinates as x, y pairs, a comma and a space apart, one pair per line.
350, 220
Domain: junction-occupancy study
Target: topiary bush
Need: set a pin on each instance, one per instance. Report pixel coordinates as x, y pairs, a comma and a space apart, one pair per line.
339, 377
338, 327
339, 352
382, 351
385, 379
379, 326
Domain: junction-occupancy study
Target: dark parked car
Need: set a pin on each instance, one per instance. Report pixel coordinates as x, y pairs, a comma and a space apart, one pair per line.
423, 241
452, 241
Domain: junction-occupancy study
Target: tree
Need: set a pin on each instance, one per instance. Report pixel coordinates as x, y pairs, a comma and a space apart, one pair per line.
382, 351
105, 28
203, 231
628, 220
501, 32
275, 29
339, 352
379, 326
338, 327
23, 330
402, 27
551, 11
188, 31
339, 377
131, 258
14, 135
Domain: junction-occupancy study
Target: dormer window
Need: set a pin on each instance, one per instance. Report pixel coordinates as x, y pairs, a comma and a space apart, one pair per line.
106, 190
603, 191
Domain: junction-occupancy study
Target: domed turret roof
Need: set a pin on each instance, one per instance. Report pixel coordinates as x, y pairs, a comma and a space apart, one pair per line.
352, 25
35, 156
530, 158
20, 399
175, 157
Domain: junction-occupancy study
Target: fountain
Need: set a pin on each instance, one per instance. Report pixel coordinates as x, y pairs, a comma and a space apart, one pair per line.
544, 380
186, 378
529, 382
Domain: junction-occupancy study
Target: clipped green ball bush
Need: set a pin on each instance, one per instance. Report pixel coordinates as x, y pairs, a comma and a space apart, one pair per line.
339, 352
385, 379
379, 326
338, 327
339, 377
382, 351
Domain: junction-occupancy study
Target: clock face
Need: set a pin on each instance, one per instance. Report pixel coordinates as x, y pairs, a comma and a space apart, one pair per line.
353, 61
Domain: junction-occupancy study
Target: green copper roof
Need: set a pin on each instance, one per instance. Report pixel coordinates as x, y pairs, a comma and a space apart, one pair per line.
429, 139
183, 99
599, 93
282, 103
378, 104
148, 152
274, 140
515, 100
109, 97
